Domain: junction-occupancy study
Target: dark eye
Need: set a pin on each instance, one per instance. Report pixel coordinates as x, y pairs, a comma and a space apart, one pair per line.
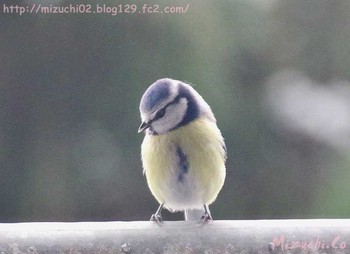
160, 113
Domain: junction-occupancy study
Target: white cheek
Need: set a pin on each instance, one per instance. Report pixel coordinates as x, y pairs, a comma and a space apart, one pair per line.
173, 116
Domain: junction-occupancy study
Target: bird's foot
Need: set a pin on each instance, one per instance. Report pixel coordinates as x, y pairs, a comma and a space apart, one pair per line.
157, 218
205, 218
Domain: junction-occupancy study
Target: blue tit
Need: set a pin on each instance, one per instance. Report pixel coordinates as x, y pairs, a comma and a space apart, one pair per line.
183, 152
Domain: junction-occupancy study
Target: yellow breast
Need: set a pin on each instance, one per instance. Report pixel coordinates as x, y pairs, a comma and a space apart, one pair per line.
203, 145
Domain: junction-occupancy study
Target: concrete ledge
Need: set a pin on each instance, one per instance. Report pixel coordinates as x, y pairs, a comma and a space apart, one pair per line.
250, 236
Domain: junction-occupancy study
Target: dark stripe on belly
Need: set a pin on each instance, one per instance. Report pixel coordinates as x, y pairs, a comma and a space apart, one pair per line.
183, 164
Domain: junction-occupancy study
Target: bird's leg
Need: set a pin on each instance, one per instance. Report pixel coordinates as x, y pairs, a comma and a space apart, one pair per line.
206, 216
157, 217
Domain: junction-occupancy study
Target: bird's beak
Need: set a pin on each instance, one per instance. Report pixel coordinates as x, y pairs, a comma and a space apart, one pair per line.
144, 126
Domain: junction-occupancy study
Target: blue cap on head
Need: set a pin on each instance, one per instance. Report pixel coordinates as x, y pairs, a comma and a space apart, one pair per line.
158, 91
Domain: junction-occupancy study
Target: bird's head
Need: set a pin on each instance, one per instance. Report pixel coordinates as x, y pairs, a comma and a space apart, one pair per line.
169, 104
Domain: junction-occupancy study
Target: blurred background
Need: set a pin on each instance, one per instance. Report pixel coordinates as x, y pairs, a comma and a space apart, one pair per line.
276, 73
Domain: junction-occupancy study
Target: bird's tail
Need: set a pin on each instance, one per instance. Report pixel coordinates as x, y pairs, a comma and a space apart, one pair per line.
194, 215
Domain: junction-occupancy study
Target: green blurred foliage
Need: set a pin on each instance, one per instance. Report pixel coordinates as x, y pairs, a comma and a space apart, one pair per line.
70, 89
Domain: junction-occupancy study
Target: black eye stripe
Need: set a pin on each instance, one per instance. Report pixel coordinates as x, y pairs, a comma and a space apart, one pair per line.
160, 113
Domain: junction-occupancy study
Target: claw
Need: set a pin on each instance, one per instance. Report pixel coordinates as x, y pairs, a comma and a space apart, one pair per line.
206, 216
157, 217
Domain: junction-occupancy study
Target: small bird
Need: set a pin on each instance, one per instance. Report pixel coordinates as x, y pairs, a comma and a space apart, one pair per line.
183, 152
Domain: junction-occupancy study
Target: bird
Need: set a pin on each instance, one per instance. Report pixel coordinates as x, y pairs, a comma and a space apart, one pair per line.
183, 152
